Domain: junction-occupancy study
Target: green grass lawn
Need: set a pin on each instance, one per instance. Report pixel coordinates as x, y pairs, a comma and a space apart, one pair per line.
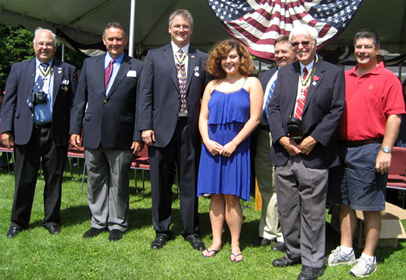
35, 254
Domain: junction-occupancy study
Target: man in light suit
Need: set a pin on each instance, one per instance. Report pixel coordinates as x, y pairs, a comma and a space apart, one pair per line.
105, 105
169, 126
269, 228
305, 110
35, 115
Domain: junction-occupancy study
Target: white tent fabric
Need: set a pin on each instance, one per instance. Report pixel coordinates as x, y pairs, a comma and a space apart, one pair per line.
82, 21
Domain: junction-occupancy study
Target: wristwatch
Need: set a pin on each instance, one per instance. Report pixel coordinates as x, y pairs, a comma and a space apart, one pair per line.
386, 150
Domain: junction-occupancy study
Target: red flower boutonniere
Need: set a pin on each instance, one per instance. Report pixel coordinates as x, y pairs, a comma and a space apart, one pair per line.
315, 79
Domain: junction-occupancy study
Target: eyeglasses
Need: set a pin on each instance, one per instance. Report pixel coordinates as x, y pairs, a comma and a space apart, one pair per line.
304, 44
45, 44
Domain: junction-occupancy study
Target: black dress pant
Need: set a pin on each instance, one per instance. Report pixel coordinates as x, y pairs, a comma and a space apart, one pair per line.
181, 154
27, 162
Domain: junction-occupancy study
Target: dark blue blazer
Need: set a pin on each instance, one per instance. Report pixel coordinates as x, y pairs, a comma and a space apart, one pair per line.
107, 120
265, 76
321, 114
17, 116
159, 97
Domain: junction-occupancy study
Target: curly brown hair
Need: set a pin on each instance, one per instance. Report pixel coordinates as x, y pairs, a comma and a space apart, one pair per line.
221, 50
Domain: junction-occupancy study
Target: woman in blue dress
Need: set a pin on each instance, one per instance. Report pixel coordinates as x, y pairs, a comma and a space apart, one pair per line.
230, 111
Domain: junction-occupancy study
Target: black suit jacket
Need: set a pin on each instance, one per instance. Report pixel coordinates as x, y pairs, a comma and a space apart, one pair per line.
266, 76
321, 114
159, 97
107, 120
17, 116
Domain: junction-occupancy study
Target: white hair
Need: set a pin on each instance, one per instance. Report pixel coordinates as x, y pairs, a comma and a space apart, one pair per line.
39, 30
303, 29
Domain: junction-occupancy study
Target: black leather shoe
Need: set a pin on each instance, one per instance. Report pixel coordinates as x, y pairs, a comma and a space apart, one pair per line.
53, 229
159, 241
261, 241
279, 247
196, 242
115, 235
310, 273
282, 262
13, 231
92, 232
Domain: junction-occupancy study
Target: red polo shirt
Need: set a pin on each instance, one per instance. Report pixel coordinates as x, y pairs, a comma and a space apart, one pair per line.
370, 100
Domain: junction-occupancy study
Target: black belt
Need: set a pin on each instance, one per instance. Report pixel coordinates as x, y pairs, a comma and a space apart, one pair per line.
264, 127
363, 142
42, 125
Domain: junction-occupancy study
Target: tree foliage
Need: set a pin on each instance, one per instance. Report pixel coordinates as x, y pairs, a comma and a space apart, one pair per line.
15, 45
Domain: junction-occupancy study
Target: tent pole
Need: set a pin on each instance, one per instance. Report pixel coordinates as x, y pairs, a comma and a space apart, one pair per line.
131, 29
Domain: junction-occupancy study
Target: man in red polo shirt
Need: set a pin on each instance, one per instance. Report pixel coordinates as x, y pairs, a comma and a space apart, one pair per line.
368, 131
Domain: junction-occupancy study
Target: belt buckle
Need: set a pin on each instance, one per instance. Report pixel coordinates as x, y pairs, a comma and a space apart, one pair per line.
182, 114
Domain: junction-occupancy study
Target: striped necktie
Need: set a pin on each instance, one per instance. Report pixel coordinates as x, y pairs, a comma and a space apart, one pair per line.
302, 98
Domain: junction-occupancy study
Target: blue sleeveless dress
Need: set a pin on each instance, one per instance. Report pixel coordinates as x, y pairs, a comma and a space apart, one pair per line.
228, 112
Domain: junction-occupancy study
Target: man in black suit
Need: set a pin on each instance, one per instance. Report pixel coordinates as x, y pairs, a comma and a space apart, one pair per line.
105, 106
35, 115
171, 86
269, 226
304, 114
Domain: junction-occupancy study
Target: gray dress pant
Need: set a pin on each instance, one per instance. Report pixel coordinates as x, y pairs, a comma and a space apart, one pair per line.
108, 187
301, 195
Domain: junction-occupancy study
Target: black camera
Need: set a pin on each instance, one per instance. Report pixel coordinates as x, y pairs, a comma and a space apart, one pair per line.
39, 97
295, 129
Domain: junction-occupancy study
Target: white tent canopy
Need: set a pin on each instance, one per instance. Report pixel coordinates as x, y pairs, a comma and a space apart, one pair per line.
81, 22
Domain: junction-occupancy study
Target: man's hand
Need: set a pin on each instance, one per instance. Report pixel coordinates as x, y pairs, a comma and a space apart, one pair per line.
290, 145
383, 161
7, 138
148, 136
137, 146
307, 145
75, 140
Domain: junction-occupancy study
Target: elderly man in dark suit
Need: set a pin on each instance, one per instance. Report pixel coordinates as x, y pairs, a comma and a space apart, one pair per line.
305, 110
171, 86
105, 105
269, 226
35, 115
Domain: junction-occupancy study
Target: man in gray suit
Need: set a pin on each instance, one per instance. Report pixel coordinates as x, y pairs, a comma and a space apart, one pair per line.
105, 105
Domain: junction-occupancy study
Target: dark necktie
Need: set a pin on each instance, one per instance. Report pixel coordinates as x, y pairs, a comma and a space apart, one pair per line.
181, 71
302, 98
107, 73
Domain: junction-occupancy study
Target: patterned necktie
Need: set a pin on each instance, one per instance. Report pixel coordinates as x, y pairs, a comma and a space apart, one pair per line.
302, 98
268, 98
180, 68
107, 73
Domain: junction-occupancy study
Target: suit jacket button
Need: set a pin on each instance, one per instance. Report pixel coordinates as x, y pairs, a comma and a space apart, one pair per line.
105, 101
